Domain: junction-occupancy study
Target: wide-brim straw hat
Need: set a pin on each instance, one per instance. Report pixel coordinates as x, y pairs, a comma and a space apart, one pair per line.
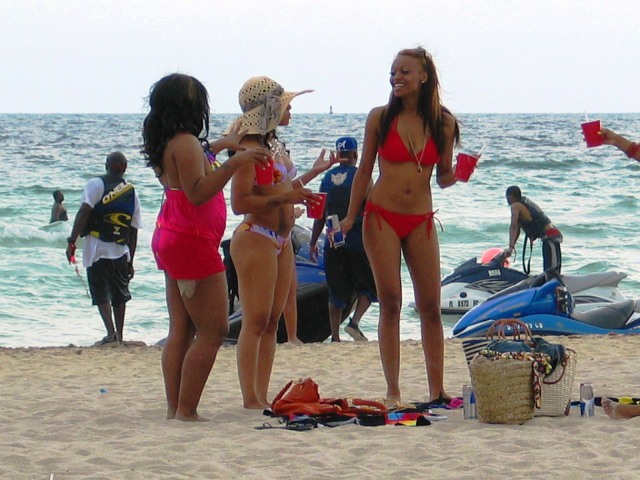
263, 102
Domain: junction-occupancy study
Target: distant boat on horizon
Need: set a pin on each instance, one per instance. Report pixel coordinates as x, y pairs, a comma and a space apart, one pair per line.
330, 109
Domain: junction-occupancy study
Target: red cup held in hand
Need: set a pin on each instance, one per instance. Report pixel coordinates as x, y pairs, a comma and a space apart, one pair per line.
264, 173
591, 135
317, 211
465, 165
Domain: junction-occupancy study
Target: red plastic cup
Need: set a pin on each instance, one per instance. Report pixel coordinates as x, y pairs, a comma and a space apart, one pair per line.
591, 135
317, 211
465, 165
264, 174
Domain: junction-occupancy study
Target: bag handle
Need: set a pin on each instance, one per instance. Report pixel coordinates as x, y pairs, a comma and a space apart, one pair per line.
282, 392
565, 360
520, 329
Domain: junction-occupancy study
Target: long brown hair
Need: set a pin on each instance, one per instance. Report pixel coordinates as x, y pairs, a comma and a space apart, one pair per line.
178, 103
429, 106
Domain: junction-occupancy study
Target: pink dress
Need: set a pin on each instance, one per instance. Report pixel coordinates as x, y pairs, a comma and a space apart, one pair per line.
187, 237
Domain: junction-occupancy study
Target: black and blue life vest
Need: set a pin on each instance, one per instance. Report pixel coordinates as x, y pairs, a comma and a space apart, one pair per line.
535, 227
111, 217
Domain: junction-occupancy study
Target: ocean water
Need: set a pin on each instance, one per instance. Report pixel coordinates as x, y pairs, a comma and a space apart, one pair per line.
591, 194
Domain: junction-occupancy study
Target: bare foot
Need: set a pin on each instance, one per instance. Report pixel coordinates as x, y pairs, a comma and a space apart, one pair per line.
391, 403
442, 398
295, 341
256, 405
619, 411
190, 418
392, 399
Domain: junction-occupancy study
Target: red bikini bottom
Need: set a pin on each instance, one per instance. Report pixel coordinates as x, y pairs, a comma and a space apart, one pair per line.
402, 224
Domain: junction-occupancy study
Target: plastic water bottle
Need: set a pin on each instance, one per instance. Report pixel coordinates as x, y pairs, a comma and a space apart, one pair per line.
587, 400
468, 402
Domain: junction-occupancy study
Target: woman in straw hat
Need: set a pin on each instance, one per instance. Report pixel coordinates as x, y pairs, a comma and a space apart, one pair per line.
261, 245
411, 135
187, 237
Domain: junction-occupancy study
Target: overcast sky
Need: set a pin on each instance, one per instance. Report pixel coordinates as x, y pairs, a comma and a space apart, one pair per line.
493, 56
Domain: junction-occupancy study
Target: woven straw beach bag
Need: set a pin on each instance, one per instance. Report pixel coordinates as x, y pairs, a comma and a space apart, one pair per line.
498, 330
503, 389
557, 387
473, 346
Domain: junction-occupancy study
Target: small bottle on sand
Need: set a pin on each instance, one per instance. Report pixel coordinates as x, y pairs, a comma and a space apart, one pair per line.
468, 402
587, 400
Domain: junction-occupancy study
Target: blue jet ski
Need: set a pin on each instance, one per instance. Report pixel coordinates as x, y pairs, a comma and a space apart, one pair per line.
480, 278
549, 309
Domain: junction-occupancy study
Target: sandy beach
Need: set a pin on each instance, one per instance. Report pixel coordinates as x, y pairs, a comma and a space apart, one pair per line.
99, 413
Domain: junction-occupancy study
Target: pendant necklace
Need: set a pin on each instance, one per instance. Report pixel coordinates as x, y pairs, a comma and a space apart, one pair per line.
418, 160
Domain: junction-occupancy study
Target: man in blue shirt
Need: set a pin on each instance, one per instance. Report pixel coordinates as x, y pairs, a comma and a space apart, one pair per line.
346, 266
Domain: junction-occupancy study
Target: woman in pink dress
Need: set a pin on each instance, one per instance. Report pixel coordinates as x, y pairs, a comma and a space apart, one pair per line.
188, 232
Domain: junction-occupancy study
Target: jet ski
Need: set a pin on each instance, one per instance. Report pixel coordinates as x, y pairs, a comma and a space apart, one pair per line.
588, 291
475, 280
480, 278
312, 294
549, 309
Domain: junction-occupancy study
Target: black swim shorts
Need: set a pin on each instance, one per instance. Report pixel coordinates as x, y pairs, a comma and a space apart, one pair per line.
109, 281
348, 272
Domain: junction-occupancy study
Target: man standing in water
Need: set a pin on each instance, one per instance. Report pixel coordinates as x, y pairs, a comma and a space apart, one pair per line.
58, 210
527, 215
108, 219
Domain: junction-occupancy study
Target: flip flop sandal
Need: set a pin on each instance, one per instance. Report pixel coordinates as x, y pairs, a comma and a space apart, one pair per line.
301, 424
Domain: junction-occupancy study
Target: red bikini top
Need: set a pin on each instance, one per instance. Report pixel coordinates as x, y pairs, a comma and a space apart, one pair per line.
394, 150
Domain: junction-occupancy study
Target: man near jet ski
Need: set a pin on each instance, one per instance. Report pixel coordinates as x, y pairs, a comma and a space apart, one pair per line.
528, 216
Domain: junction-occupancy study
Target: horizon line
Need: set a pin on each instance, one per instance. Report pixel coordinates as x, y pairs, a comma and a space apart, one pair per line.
327, 113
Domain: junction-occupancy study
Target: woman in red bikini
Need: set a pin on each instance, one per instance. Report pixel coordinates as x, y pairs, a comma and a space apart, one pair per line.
410, 136
187, 237
261, 244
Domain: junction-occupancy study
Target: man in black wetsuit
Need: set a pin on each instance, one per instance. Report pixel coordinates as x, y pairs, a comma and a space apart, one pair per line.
526, 215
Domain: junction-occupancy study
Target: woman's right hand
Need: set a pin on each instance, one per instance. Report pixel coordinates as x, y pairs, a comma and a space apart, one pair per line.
259, 156
346, 224
609, 137
233, 138
303, 196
